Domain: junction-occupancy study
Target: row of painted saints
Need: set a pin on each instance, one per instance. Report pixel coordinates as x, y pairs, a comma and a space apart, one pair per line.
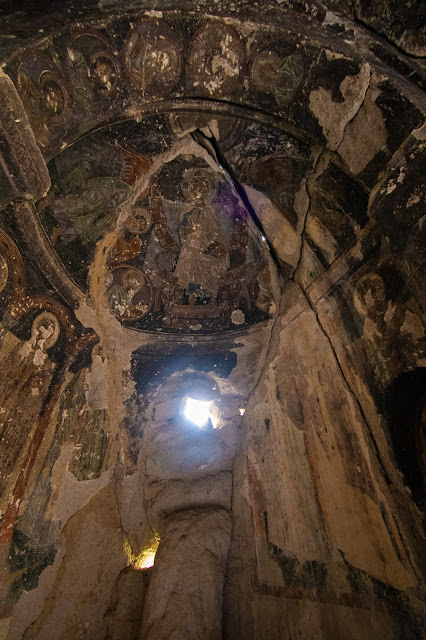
192, 258
153, 64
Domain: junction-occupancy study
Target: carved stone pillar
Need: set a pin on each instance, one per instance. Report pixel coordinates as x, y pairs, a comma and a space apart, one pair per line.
184, 600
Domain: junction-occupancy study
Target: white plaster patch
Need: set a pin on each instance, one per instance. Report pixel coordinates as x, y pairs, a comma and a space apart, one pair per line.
357, 252
238, 317
39, 357
420, 133
334, 116
413, 199
25, 350
390, 312
365, 136
285, 239
370, 329
69, 495
213, 129
413, 326
97, 393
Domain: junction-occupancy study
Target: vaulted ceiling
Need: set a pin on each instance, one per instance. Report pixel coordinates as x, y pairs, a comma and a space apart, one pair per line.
179, 182
184, 147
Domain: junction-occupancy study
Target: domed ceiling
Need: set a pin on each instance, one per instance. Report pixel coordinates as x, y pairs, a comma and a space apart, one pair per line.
218, 195
187, 254
135, 149
184, 151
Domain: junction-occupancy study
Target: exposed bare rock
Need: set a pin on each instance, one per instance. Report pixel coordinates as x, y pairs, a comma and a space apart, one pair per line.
125, 611
84, 578
312, 547
365, 135
219, 203
334, 115
178, 605
178, 495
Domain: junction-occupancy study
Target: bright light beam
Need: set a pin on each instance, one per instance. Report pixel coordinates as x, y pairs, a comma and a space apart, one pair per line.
197, 411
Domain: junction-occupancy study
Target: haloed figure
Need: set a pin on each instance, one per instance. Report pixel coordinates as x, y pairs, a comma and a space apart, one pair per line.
204, 255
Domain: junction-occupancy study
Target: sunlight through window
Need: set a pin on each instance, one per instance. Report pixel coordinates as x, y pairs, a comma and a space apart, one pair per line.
197, 411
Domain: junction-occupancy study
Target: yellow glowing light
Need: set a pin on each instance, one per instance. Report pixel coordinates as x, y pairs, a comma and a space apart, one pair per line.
144, 559
197, 411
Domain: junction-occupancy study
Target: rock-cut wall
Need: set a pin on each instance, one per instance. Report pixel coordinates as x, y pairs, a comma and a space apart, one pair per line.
225, 201
319, 547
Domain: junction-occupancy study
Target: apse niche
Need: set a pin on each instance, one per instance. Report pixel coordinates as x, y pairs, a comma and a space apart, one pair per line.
187, 256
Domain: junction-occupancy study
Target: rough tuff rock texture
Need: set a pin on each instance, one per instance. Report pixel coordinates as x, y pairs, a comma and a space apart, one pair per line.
308, 550
223, 201
179, 604
126, 605
93, 557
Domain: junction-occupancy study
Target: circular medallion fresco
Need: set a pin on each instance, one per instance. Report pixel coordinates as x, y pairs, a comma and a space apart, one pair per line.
216, 60
129, 293
369, 294
276, 74
45, 330
45, 97
153, 58
93, 67
139, 221
197, 184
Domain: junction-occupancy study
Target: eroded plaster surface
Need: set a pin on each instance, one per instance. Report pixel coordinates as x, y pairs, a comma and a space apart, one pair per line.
223, 202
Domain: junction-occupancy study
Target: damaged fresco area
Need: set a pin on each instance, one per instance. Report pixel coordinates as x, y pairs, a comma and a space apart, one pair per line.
187, 229
88, 75
167, 179
188, 255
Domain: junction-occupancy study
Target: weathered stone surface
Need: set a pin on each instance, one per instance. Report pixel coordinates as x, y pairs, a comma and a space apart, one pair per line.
126, 607
76, 603
315, 545
202, 159
178, 604
178, 495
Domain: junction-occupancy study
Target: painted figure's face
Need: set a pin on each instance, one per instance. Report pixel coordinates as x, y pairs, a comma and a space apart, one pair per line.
103, 74
53, 98
199, 190
267, 70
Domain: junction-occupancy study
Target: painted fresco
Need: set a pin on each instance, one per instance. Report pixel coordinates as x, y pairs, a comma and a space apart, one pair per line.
188, 255
188, 240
